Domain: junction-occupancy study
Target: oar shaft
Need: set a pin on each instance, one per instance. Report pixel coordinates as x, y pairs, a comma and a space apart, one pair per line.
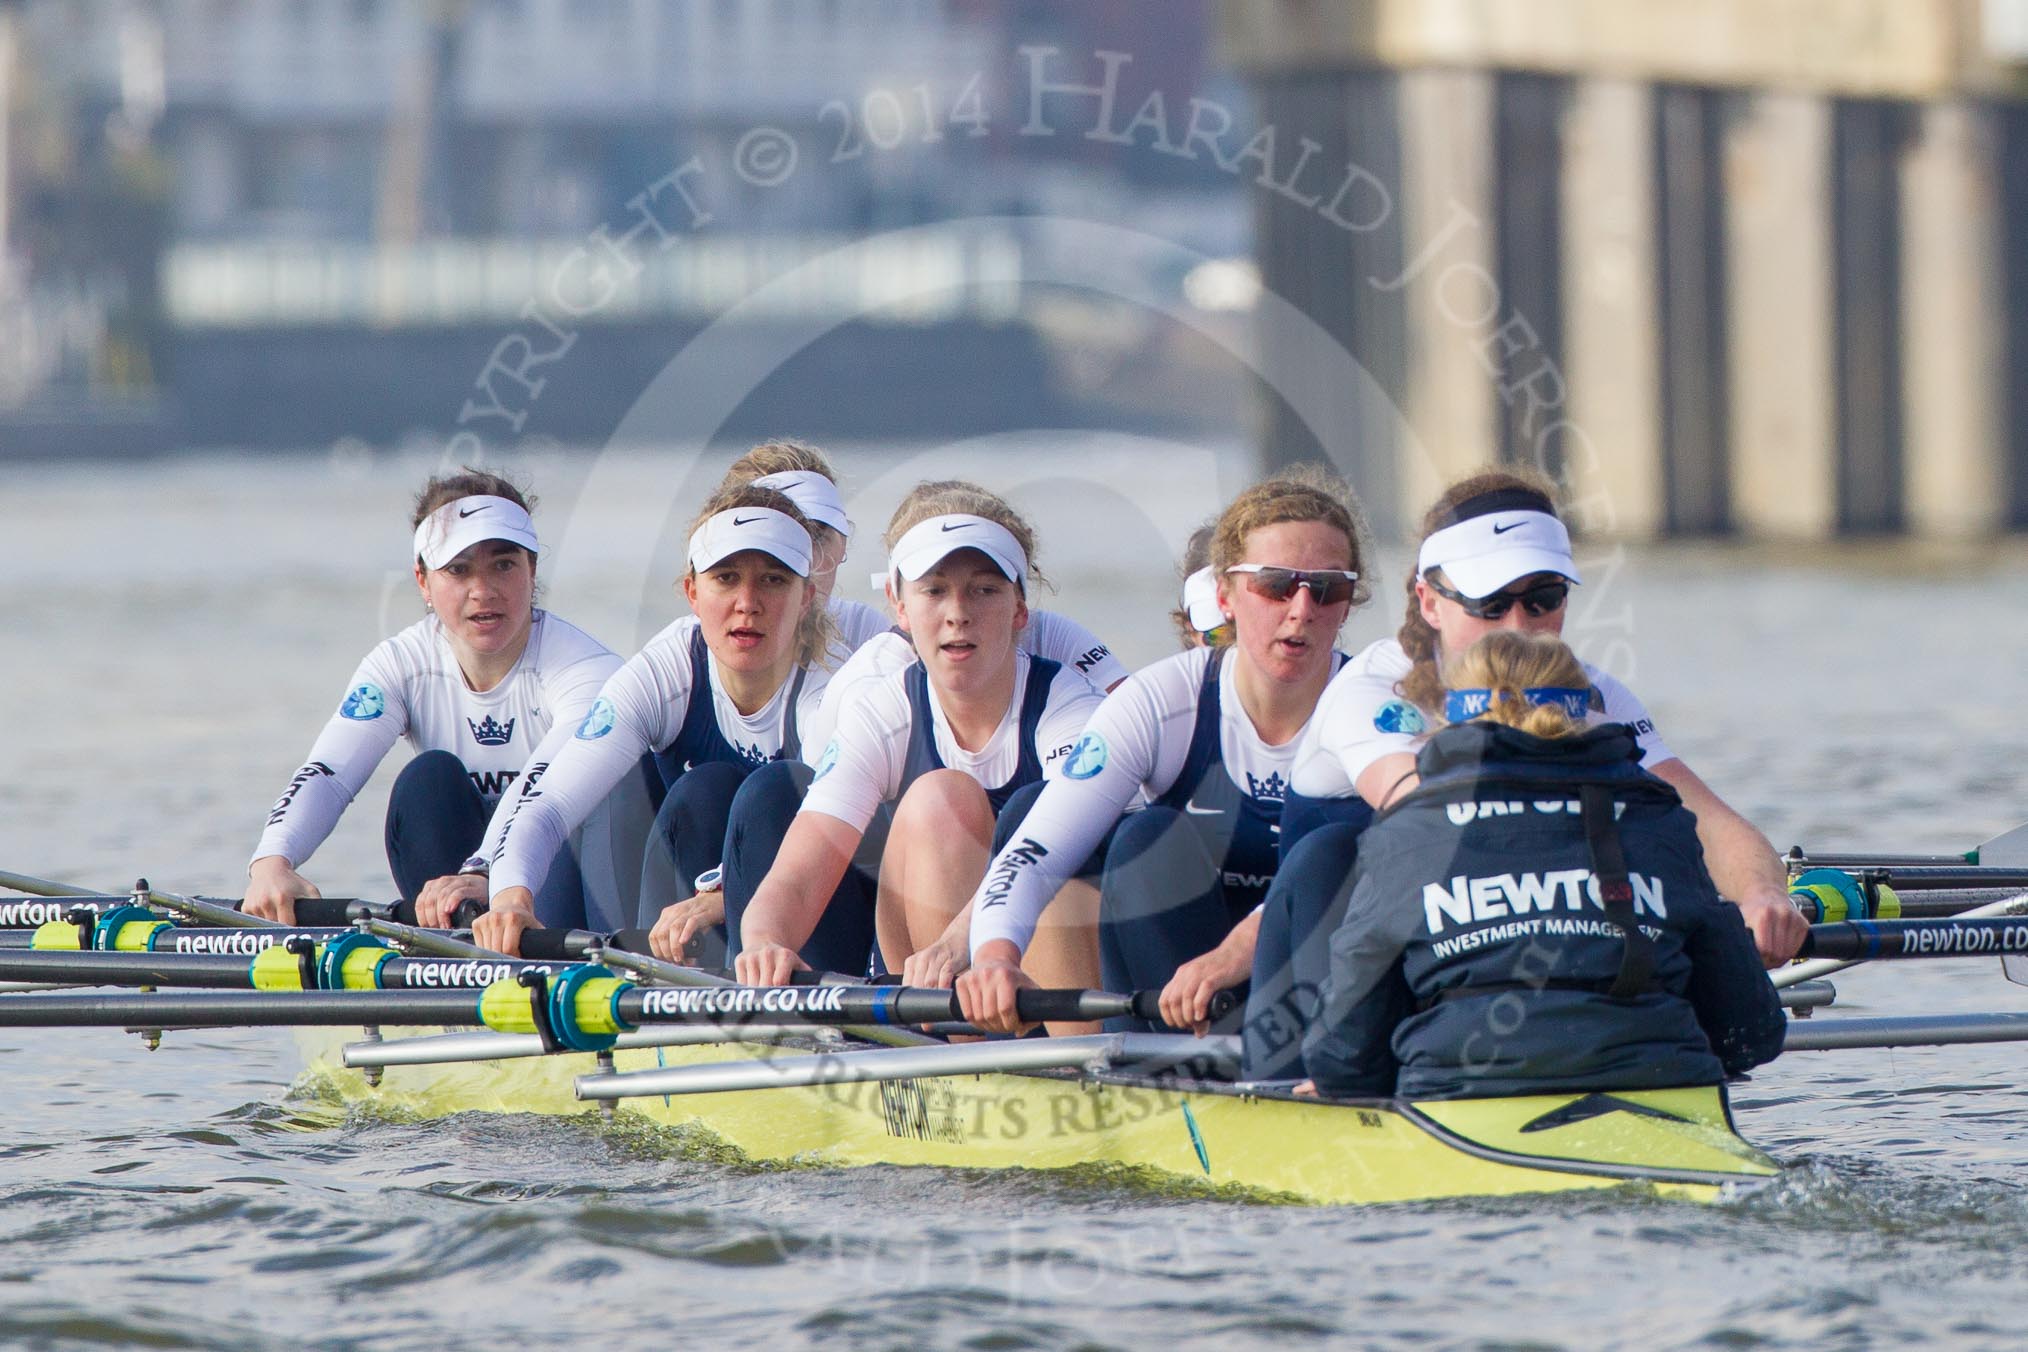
1928, 877
887, 1063
1865, 940
235, 972
1797, 860
27, 913
1810, 971
1932, 1030
876, 1005
223, 1010
1944, 901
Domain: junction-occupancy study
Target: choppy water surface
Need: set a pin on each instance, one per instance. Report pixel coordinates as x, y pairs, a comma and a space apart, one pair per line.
176, 632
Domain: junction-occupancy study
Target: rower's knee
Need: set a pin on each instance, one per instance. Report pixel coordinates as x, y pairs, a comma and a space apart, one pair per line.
435, 777
940, 804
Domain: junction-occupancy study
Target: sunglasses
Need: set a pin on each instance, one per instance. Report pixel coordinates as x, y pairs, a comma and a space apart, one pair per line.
1544, 598
1327, 586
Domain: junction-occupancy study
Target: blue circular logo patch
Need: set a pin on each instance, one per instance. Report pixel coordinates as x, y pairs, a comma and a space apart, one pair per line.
1087, 758
598, 720
364, 704
1400, 716
828, 760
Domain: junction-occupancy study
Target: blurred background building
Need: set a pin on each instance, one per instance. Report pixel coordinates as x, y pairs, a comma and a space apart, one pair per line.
1755, 266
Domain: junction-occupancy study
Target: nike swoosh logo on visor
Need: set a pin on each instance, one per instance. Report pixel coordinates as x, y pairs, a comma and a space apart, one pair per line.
744, 520
462, 513
1511, 525
960, 526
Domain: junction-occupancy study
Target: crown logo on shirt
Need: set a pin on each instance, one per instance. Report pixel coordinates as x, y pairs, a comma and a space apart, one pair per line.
1274, 788
490, 733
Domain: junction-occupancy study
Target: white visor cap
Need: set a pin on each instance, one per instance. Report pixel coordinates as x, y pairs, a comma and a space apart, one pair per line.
1485, 553
456, 526
928, 543
1200, 601
776, 534
815, 496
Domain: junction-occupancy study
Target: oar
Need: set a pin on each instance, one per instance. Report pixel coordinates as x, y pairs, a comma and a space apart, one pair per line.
1921, 905
1836, 961
587, 1004
437, 1049
1209, 1058
1957, 937
1929, 1030
388, 971
210, 912
884, 1063
2008, 849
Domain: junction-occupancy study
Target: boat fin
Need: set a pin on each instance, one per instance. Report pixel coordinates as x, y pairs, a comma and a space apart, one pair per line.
1594, 1105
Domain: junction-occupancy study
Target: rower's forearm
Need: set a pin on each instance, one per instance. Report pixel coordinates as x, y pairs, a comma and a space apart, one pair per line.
1743, 862
1245, 937
774, 916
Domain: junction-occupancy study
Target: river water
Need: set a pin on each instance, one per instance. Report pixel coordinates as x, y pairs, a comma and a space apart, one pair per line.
176, 631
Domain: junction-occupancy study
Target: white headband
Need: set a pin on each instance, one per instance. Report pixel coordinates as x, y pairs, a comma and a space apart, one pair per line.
814, 495
1200, 601
928, 543
773, 533
456, 526
1482, 554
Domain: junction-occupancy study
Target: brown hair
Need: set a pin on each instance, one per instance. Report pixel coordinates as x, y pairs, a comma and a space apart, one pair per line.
817, 630
1508, 663
466, 483
948, 497
1305, 492
1424, 684
1196, 554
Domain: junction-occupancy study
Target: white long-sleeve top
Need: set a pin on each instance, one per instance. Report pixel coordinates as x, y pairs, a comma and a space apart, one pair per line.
1129, 755
410, 686
639, 710
863, 764
883, 652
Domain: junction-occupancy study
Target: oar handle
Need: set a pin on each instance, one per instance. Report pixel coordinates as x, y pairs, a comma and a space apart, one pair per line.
313, 912
570, 945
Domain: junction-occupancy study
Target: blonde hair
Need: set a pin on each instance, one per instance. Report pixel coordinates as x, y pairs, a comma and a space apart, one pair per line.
817, 631
1424, 684
1299, 493
1509, 663
1196, 554
780, 456
957, 497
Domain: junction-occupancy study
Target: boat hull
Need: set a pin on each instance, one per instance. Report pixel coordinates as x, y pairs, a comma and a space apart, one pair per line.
1679, 1142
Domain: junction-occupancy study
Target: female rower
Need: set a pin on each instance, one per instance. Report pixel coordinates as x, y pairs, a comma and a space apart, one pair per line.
946, 741
716, 693
486, 687
804, 474
687, 844
1199, 621
1494, 555
1535, 916
879, 654
1204, 739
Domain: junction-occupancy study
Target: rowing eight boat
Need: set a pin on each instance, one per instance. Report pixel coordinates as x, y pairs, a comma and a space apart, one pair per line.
1677, 1142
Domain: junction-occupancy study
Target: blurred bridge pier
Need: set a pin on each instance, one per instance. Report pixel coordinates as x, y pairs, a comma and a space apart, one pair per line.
1752, 266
